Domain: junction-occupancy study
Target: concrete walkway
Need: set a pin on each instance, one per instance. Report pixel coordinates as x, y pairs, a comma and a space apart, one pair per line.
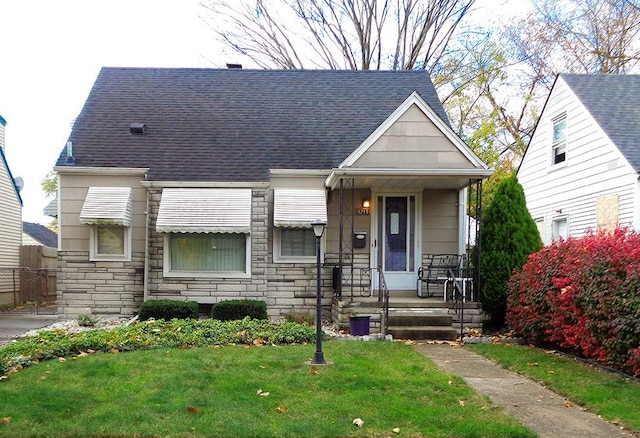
541, 410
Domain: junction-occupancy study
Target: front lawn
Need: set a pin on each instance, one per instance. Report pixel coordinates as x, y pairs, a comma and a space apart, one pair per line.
248, 391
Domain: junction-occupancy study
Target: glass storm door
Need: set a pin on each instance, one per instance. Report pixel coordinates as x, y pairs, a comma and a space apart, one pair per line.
396, 221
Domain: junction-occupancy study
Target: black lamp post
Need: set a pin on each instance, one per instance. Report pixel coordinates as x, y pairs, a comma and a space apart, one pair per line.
318, 357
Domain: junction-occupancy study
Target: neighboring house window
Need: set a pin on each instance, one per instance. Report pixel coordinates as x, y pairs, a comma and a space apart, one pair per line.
560, 228
559, 140
293, 212
107, 210
207, 232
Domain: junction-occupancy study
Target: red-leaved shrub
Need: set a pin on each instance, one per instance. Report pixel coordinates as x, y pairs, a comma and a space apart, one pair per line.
583, 295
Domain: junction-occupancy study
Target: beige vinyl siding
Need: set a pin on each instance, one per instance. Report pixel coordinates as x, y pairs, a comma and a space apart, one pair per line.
10, 220
594, 169
440, 222
413, 142
75, 235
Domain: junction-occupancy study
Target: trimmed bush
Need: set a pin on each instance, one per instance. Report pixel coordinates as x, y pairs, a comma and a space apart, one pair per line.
168, 309
230, 310
509, 235
583, 295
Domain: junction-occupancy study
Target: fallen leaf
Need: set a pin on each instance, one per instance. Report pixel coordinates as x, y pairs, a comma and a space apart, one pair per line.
358, 422
192, 409
90, 351
258, 342
114, 350
43, 377
314, 371
4, 377
450, 382
83, 354
62, 359
396, 430
281, 409
5, 420
264, 394
533, 364
461, 402
568, 404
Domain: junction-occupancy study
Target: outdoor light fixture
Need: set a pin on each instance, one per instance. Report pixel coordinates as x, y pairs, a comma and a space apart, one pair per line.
366, 203
318, 357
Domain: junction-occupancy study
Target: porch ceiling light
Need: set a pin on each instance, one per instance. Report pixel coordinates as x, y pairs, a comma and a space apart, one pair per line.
318, 228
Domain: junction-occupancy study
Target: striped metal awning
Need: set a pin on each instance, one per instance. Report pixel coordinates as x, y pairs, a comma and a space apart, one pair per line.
298, 208
202, 210
107, 206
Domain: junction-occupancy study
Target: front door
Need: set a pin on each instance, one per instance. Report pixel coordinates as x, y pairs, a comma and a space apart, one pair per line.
396, 217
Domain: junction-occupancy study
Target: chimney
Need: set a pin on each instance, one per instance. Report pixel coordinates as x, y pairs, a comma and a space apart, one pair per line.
234, 66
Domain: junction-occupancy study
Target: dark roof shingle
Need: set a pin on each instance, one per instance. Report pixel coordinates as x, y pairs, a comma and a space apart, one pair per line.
613, 101
235, 124
41, 233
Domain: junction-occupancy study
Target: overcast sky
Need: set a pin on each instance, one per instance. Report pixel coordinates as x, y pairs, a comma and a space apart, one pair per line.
52, 51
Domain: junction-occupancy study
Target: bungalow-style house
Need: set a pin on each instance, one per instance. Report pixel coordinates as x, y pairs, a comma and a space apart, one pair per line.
10, 223
581, 169
202, 184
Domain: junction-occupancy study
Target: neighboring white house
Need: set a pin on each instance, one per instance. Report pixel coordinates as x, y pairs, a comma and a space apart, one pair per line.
10, 225
580, 171
11, 211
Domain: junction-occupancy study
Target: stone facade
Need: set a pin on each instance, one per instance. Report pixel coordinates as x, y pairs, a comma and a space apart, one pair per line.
100, 288
284, 287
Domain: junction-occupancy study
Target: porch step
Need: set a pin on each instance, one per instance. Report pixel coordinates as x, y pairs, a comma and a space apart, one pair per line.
419, 319
421, 325
427, 332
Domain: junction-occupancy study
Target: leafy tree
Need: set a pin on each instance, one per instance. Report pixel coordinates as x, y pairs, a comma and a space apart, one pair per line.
508, 237
49, 186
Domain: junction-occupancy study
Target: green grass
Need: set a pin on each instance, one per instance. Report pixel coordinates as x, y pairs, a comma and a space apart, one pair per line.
213, 392
613, 397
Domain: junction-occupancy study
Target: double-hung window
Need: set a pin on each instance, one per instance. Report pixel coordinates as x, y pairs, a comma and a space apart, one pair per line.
559, 140
107, 210
293, 212
207, 232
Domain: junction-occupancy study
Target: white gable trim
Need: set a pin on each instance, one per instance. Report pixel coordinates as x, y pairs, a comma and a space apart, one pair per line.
414, 99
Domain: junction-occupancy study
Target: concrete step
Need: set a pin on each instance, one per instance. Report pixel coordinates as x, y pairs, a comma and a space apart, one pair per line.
424, 332
397, 319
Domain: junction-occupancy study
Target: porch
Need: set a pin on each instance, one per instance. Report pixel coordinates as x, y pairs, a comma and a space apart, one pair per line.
407, 316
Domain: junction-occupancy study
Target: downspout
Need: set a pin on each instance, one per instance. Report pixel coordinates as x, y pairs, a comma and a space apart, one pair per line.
145, 275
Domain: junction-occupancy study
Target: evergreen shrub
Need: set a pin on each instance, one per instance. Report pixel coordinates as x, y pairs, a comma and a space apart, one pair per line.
583, 295
230, 310
168, 309
509, 235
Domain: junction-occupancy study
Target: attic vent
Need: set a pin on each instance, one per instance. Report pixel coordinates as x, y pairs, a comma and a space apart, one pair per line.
137, 128
238, 66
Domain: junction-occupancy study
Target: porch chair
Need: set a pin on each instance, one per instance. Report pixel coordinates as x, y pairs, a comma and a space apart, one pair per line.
439, 269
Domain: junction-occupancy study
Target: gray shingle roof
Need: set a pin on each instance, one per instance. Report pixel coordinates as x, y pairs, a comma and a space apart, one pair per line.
235, 124
41, 233
614, 102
